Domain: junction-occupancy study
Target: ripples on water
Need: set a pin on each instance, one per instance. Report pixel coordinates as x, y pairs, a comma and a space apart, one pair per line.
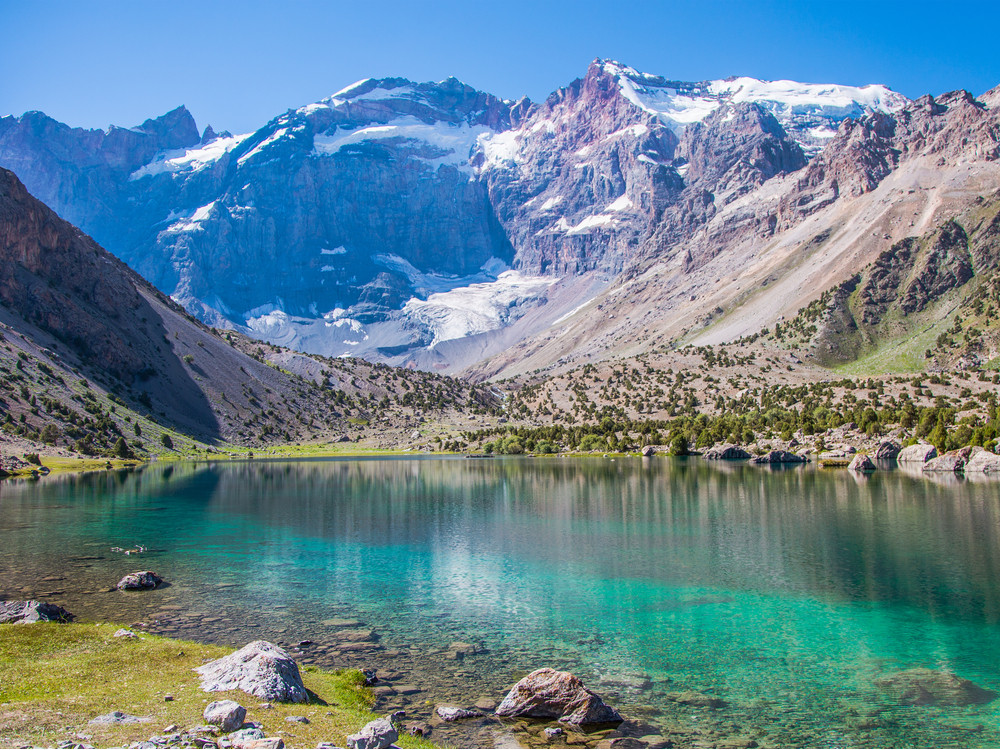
787, 593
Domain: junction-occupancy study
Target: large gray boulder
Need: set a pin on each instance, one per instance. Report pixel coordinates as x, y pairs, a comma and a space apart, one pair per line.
259, 668
887, 450
930, 687
227, 715
948, 462
375, 734
550, 694
726, 452
919, 453
983, 462
32, 611
862, 463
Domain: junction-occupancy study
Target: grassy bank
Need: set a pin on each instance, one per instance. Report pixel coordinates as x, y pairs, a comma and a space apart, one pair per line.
56, 677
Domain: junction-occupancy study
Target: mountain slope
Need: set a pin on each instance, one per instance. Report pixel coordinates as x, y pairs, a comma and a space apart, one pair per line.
85, 335
429, 224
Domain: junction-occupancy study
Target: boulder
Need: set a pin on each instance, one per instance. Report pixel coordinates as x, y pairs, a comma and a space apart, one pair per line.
267, 743
32, 611
549, 694
648, 450
259, 668
984, 462
125, 633
919, 453
862, 463
930, 687
143, 579
227, 715
887, 450
949, 462
779, 457
375, 734
726, 452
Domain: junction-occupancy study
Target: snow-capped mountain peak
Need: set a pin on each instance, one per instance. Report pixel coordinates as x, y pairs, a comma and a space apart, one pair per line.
809, 112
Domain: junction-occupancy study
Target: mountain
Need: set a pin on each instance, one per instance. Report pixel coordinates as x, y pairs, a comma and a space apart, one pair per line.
90, 352
433, 224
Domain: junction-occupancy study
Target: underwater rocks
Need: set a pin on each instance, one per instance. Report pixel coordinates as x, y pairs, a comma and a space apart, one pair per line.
32, 611
929, 687
259, 668
549, 694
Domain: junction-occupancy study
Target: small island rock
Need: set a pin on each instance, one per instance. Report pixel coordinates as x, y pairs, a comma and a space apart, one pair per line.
550, 694
259, 668
143, 579
862, 463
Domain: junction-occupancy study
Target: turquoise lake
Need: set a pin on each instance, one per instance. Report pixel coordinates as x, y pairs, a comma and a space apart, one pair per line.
787, 594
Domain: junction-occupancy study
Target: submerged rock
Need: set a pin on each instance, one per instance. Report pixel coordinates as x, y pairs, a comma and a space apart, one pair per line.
694, 698
930, 687
549, 694
456, 713
143, 579
259, 668
375, 734
919, 453
726, 452
862, 463
227, 715
26, 612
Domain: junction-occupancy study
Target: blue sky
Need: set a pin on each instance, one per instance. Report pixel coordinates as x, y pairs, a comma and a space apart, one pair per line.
237, 64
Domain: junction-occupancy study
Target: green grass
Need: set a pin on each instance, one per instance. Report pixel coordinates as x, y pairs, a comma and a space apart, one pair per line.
54, 678
904, 354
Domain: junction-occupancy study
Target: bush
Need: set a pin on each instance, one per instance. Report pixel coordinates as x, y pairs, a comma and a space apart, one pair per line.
593, 443
679, 445
50, 434
167, 441
33, 458
121, 449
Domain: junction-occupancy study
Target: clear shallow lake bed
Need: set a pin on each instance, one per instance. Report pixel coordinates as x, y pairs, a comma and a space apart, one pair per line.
786, 594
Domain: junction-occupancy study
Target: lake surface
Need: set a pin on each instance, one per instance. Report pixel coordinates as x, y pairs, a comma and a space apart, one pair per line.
785, 593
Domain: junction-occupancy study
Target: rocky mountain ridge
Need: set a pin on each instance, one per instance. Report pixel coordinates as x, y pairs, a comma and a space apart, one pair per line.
435, 225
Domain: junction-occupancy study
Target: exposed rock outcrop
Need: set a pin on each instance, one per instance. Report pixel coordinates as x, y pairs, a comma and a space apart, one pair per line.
983, 462
918, 453
25, 612
779, 457
550, 694
949, 462
726, 452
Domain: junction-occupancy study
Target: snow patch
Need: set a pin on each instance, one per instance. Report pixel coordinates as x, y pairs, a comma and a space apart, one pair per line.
191, 159
621, 204
552, 203
454, 141
193, 222
336, 251
476, 308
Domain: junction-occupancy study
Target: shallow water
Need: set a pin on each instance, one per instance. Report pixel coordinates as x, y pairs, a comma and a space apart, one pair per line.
786, 593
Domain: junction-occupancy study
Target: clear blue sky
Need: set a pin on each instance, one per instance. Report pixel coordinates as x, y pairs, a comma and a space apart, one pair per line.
237, 64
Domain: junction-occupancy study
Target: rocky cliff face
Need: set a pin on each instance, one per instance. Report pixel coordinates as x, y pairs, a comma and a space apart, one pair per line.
435, 224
